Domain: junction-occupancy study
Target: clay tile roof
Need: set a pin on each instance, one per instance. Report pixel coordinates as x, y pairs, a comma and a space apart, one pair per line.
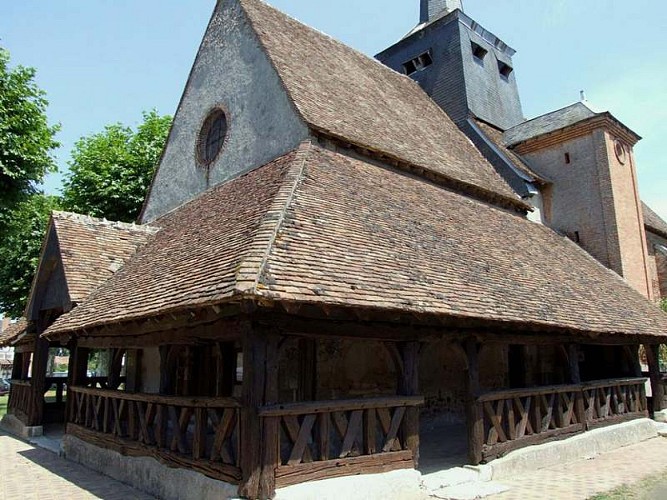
325, 228
495, 135
653, 222
204, 250
93, 249
13, 332
348, 95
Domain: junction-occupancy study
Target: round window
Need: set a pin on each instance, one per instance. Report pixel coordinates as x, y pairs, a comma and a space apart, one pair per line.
212, 136
619, 149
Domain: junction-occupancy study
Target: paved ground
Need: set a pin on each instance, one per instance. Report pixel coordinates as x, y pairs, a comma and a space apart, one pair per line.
34, 473
585, 478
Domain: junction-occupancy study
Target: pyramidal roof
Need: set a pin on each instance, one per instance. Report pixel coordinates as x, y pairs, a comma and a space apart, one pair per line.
347, 95
326, 228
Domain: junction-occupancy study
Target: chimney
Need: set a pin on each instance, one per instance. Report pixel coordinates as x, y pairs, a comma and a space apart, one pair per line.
430, 9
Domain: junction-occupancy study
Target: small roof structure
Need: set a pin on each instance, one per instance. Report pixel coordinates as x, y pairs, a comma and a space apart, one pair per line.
331, 229
653, 222
12, 333
82, 252
557, 120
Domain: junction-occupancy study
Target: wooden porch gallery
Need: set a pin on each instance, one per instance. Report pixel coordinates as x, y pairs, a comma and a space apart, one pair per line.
248, 401
328, 278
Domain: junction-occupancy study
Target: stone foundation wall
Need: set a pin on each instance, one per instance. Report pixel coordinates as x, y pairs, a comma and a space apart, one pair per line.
147, 474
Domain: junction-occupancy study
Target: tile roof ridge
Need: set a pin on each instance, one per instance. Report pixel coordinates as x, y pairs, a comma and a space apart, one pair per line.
251, 269
60, 215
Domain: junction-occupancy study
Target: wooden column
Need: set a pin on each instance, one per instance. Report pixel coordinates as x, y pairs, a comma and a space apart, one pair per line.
652, 356
228, 368
474, 415
77, 372
115, 367
133, 370
259, 444
167, 370
409, 386
38, 383
575, 378
307, 389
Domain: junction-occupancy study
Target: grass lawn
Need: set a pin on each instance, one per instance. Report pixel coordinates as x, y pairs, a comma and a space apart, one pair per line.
3, 404
650, 488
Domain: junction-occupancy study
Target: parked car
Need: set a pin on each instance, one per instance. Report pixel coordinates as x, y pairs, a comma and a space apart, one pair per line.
4, 387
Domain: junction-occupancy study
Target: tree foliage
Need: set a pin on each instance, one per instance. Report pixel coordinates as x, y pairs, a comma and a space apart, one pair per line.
20, 247
110, 171
26, 139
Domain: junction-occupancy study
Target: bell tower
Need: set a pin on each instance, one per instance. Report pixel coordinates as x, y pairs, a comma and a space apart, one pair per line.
465, 68
430, 9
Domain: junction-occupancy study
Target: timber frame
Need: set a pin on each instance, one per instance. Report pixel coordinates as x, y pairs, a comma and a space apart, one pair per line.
247, 436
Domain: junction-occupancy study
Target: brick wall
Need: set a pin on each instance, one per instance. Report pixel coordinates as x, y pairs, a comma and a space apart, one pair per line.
657, 261
594, 201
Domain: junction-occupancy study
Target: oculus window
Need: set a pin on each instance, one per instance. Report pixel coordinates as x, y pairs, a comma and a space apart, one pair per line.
212, 136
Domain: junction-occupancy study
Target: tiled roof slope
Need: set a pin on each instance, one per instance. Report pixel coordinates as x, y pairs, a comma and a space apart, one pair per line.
93, 249
496, 137
12, 332
203, 251
354, 234
549, 122
653, 221
353, 97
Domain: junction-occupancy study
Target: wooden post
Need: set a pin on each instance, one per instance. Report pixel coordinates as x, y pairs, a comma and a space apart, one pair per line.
652, 356
575, 378
228, 360
38, 384
409, 386
256, 352
271, 425
307, 388
166, 370
17, 366
133, 370
474, 415
77, 372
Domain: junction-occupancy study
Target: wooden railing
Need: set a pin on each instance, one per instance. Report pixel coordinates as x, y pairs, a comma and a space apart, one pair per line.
513, 419
197, 433
20, 401
324, 439
611, 401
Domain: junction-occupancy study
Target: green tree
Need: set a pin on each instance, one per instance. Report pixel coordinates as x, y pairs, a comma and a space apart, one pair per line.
26, 139
20, 247
110, 171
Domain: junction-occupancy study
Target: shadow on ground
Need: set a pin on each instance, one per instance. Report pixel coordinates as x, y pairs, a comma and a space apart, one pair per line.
95, 484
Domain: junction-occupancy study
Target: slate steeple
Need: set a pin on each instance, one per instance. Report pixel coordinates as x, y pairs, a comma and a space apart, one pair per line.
465, 68
432, 8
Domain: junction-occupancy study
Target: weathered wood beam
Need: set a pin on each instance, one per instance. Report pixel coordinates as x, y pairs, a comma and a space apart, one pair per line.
408, 385
474, 415
653, 359
307, 386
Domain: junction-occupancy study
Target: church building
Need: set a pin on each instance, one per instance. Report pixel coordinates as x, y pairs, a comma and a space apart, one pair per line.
349, 266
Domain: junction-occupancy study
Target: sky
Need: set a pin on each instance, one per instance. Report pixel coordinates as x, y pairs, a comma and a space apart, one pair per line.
105, 61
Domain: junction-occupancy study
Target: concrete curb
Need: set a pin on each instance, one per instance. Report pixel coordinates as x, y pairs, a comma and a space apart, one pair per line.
583, 446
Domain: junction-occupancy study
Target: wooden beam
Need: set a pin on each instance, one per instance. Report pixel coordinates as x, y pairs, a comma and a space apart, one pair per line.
408, 385
474, 415
254, 378
652, 356
307, 386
